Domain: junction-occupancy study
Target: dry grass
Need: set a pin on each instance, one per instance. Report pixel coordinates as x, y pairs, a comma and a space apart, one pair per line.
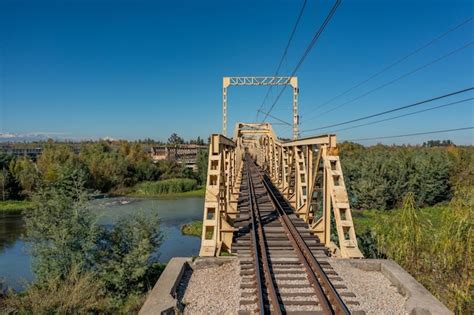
77, 294
439, 255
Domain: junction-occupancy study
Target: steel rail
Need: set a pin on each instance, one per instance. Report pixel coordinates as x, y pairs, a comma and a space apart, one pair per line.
329, 299
262, 249
258, 276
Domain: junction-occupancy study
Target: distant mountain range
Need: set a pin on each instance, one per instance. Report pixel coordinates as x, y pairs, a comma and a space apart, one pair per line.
27, 137
41, 136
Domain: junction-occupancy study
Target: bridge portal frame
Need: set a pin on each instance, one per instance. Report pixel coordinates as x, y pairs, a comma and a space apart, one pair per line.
260, 81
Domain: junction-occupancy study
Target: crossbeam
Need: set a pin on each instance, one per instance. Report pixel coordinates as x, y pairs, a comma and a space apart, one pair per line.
329, 140
260, 81
249, 81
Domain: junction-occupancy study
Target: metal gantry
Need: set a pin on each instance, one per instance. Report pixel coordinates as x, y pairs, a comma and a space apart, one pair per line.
260, 81
307, 172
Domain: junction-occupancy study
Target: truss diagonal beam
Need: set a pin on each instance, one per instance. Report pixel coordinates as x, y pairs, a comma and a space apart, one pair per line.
259, 81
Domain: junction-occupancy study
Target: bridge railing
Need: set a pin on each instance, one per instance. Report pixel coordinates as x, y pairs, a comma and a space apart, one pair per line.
220, 204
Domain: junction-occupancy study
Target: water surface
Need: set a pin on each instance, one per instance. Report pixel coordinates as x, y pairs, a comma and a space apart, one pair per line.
15, 262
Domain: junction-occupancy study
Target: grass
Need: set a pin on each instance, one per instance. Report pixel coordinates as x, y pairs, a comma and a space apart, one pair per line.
366, 219
200, 192
8, 206
77, 294
194, 228
168, 188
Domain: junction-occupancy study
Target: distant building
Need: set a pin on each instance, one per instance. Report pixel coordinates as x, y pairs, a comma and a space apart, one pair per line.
32, 149
21, 150
185, 154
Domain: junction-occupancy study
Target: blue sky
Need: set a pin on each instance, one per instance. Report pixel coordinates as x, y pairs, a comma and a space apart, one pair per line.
136, 69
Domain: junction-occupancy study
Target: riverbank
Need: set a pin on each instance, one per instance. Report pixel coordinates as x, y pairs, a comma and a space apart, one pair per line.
192, 193
193, 229
14, 206
15, 260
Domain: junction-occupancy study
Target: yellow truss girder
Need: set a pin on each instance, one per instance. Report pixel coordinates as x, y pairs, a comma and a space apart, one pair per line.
307, 171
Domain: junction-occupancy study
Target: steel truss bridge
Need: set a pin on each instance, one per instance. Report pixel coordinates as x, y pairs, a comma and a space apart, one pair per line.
307, 173
275, 203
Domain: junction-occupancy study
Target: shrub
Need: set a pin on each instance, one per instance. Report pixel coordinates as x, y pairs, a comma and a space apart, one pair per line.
61, 230
401, 235
379, 177
80, 266
437, 252
194, 228
167, 186
124, 258
77, 293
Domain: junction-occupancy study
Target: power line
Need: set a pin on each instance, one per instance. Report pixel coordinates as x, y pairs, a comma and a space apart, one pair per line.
394, 109
396, 79
412, 134
278, 119
393, 64
404, 115
308, 49
285, 52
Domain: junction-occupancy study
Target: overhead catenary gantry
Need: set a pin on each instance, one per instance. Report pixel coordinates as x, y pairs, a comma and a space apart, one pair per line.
260, 81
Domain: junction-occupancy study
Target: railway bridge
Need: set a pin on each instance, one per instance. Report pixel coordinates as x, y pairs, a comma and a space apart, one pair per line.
281, 207
306, 173
275, 203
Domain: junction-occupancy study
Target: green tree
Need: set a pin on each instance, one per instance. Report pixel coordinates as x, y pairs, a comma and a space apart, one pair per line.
141, 167
26, 174
174, 139
201, 162
55, 158
9, 188
170, 169
60, 228
380, 176
107, 168
74, 255
124, 257
4, 184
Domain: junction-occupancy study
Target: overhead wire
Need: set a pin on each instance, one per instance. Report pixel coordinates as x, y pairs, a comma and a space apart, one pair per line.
404, 115
305, 54
393, 64
280, 120
412, 134
394, 80
393, 109
285, 52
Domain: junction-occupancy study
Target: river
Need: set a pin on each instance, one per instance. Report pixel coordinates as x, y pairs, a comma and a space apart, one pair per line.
15, 263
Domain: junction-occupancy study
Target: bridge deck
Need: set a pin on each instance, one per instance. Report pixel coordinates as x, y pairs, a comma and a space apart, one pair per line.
288, 269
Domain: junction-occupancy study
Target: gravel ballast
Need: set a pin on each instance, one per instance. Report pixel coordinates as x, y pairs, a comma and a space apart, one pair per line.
373, 290
210, 288
213, 289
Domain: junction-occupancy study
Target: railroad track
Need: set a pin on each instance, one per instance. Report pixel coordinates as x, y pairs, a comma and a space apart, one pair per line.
284, 268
